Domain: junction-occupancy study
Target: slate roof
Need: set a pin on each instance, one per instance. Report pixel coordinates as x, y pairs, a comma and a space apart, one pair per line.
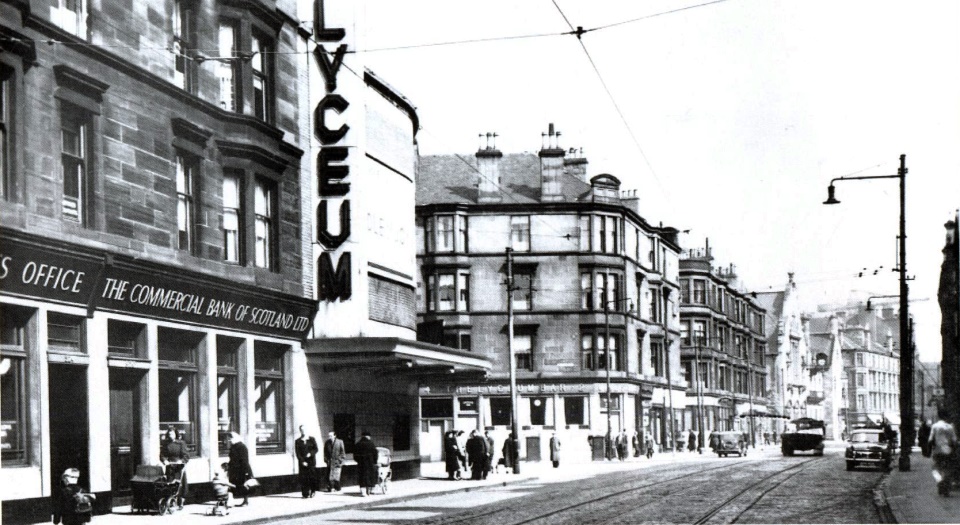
453, 179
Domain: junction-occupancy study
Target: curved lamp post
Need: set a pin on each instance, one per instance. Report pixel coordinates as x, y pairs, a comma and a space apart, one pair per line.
906, 349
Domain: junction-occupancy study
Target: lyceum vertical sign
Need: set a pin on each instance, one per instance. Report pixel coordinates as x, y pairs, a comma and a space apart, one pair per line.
333, 281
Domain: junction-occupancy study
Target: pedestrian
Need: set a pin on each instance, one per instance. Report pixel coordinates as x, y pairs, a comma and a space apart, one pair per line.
691, 441
943, 444
923, 436
648, 445
622, 444
175, 451
490, 451
610, 446
776, 438
334, 454
476, 454
239, 471
635, 441
365, 454
71, 504
555, 450
306, 449
453, 455
510, 452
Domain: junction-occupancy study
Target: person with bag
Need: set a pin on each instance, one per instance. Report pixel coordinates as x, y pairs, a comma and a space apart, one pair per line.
71, 504
239, 472
453, 456
306, 449
923, 436
943, 445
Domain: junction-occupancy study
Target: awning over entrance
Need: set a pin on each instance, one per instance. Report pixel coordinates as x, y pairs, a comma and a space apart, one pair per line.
395, 355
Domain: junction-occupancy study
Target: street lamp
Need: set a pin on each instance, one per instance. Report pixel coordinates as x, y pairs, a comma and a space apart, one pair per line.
869, 307
700, 407
607, 361
906, 350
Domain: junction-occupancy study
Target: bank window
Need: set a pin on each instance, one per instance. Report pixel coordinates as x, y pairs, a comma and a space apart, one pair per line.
523, 351
126, 339
177, 353
232, 222
75, 124
265, 228
227, 67
520, 233
228, 398
269, 393
187, 167
6, 112
13, 401
575, 410
612, 406
184, 74
593, 350
261, 50
65, 332
500, 414
71, 16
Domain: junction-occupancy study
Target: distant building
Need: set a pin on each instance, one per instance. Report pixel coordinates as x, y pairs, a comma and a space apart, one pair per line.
826, 397
723, 348
788, 379
594, 287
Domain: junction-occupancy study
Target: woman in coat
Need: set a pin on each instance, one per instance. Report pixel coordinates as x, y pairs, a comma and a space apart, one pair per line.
453, 456
365, 454
510, 452
239, 470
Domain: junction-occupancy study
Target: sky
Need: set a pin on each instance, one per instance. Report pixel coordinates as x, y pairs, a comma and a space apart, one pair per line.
729, 119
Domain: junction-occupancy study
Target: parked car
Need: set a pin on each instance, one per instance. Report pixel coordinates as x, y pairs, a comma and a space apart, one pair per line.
869, 446
803, 434
728, 442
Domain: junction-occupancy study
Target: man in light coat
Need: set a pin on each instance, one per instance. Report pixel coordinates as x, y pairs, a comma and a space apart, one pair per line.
334, 454
943, 444
555, 450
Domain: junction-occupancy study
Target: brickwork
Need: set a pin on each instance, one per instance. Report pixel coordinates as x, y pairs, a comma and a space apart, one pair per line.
133, 143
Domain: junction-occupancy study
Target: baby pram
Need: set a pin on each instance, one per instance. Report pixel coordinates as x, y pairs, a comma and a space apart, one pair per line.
154, 489
384, 473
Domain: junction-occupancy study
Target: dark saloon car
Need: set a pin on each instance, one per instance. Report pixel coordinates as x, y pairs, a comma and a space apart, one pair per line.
869, 446
726, 443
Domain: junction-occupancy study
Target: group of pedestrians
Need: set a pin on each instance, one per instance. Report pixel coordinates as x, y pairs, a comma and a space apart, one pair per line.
476, 454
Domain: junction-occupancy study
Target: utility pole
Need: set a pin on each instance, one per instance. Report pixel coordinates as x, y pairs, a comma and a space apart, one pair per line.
672, 438
699, 379
608, 441
906, 350
513, 364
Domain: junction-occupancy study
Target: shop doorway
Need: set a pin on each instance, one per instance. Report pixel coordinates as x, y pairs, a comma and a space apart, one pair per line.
69, 432
125, 429
431, 441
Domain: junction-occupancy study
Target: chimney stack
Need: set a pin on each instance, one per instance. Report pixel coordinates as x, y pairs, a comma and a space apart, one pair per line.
488, 164
575, 164
551, 166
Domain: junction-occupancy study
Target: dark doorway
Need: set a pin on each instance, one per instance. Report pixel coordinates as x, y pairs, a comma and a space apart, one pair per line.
69, 435
125, 425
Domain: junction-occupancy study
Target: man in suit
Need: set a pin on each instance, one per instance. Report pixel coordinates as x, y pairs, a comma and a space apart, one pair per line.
490, 450
306, 449
477, 454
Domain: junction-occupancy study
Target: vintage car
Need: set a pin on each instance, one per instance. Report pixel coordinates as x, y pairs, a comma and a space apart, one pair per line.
869, 446
801, 435
726, 443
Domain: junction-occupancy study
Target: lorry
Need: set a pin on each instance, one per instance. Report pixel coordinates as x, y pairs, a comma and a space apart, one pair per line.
803, 434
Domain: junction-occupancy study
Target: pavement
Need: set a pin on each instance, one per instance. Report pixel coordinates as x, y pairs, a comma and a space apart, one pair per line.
901, 497
911, 497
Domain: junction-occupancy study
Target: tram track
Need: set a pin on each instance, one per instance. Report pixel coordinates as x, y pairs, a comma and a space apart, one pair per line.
786, 475
653, 487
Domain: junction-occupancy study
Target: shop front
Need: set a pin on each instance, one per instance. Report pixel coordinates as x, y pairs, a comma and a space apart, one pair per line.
102, 354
